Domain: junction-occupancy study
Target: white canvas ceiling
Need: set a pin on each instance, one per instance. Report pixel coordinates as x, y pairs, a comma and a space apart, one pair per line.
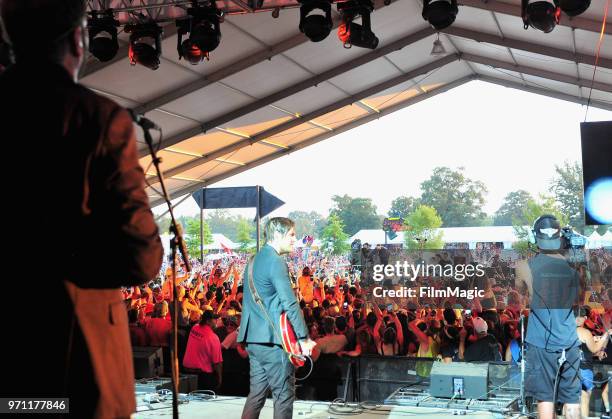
268, 91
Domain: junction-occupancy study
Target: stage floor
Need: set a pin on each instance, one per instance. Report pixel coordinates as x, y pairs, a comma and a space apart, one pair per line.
231, 407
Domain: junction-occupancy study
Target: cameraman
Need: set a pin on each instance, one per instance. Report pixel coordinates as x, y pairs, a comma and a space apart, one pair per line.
553, 349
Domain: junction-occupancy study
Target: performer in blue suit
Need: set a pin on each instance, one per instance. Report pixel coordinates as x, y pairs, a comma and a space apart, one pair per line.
270, 365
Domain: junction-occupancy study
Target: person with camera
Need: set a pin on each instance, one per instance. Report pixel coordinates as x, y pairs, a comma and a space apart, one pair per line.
552, 345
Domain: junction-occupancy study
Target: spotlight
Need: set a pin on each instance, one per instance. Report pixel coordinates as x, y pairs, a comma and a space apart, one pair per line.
440, 13
145, 44
102, 28
540, 14
351, 33
574, 7
202, 24
315, 26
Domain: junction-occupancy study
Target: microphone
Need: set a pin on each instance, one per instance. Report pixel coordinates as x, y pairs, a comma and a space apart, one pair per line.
145, 123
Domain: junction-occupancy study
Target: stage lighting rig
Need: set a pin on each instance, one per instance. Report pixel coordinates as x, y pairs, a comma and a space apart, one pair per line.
145, 43
574, 7
540, 14
351, 33
102, 28
202, 24
440, 13
314, 25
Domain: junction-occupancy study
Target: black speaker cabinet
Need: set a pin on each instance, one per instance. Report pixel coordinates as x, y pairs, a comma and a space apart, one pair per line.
148, 361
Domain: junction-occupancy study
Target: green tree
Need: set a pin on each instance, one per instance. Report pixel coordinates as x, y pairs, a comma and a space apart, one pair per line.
457, 199
333, 238
402, 206
423, 223
311, 223
222, 222
513, 207
163, 224
522, 225
356, 213
566, 187
245, 235
192, 235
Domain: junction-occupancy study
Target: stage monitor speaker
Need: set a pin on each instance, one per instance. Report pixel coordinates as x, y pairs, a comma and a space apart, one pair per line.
460, 380
596, 140
187, 383
148, 361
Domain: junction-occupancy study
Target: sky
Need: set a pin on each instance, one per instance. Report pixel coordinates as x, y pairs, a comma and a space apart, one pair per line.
506, 138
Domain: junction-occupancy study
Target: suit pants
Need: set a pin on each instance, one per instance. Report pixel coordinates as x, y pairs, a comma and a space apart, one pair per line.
270, 368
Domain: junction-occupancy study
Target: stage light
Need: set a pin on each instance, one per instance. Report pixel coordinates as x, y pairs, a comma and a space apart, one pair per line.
145, 44
202, 25
540, 14
440, 13
314, 25
438, 48
574, 7
102, 28
351, 33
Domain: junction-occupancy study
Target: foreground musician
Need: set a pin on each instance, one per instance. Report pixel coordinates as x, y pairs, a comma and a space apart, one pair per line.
270, 364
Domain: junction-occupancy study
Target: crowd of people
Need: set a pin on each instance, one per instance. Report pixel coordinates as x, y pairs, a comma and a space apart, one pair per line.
346, 320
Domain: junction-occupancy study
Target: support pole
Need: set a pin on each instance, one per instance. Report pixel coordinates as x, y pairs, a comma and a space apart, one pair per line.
202, 227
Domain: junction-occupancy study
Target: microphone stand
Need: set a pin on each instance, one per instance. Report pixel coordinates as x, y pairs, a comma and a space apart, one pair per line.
175, 243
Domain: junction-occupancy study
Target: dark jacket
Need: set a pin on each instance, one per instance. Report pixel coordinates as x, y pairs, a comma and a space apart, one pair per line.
271, 279
81, 227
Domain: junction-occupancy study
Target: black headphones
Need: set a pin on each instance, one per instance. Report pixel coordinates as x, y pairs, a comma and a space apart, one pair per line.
545, 220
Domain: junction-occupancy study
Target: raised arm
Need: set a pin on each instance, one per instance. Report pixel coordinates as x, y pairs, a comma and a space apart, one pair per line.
399, 330
421, 337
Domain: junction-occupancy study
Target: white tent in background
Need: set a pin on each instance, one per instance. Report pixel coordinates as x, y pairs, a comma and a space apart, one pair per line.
594, 240
606, 239
220, 242
469, 235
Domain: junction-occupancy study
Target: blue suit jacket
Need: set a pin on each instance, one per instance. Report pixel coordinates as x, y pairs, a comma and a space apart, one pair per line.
271, 279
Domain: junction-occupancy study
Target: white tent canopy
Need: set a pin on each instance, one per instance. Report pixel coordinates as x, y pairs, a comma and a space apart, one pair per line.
219, 240
268, 91
595, 240
469, 235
